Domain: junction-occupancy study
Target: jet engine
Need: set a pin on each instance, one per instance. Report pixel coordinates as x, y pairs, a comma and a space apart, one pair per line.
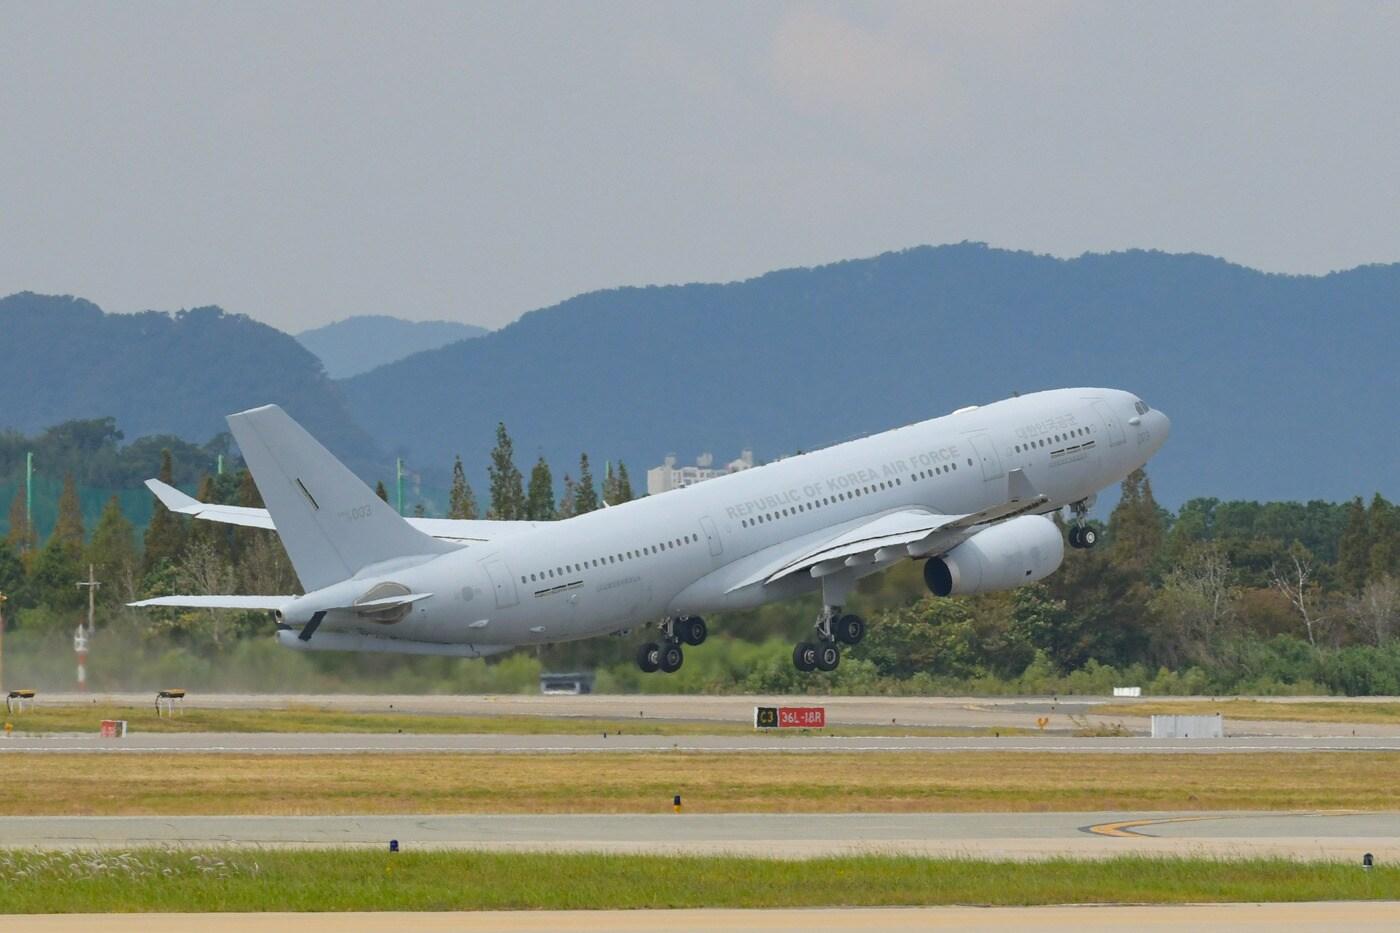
1002, 557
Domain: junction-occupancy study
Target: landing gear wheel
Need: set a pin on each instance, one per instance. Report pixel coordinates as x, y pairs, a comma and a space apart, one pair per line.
649, 657
804, 656
828, 657
671, 659
1074, 536
1088, 537
849, 629
694, 631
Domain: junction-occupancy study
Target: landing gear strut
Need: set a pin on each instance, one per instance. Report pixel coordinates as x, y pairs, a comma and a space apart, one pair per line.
667, 656
825, 654
1081, 535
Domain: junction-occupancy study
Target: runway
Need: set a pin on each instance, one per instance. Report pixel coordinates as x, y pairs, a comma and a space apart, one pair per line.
1356, 916
315, 743
1063, 714
1303, 835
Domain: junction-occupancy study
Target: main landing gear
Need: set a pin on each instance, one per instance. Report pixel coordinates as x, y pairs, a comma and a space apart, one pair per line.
667, 656
832, 628
1081, 535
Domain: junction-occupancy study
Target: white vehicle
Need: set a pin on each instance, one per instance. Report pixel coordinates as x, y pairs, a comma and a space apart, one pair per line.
967, 493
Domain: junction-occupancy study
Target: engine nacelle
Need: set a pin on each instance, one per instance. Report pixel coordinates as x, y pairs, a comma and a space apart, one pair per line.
1002, 557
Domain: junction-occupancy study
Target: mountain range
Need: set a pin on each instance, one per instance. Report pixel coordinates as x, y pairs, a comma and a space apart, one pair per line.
159, 373
1278, 386
358, 344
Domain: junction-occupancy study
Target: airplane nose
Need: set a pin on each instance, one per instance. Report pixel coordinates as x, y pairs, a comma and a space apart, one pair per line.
1162, 428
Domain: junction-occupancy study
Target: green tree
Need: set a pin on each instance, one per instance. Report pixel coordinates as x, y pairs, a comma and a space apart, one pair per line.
69, 526
380, 491
461, 500
1354, 548
165, 536
566, 501
624, 484
53, 580
1047, 624
214, 535
585, 494
113, 554
507, 484
21, 536
11, 575
1383, 520
539, 502
1137, 526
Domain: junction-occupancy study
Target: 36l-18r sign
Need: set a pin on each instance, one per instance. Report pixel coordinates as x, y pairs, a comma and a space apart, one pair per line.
789, 717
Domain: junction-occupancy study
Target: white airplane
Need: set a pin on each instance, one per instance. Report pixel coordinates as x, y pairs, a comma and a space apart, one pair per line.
967, 493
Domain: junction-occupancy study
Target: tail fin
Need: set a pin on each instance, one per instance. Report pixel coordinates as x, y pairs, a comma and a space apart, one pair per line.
331, 523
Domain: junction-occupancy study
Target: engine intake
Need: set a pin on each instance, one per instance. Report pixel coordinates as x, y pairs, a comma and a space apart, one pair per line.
1002, 557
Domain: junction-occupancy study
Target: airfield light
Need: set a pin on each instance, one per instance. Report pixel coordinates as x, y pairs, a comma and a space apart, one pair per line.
1367, 861
393, 845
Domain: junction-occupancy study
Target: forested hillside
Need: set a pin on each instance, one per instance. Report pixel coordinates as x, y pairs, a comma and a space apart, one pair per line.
161, 374
1271, 381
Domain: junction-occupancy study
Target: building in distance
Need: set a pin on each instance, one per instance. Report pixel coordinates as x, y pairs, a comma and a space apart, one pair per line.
669, 476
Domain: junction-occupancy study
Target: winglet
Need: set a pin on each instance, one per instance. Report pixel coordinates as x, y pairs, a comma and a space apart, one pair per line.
172, 498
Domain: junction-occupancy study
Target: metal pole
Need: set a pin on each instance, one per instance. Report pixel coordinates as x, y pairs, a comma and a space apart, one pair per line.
398, 466
28, 497
221, 465
2, 642
91, 584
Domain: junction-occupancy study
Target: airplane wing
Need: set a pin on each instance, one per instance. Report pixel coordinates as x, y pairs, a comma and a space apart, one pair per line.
218, 602
447, 529
896, 535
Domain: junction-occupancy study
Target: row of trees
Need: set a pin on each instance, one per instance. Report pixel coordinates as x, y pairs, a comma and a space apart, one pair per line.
512, 500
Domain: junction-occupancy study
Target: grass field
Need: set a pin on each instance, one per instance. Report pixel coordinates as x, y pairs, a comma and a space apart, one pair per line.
1324, 711
119, 784
321, 880
311, 719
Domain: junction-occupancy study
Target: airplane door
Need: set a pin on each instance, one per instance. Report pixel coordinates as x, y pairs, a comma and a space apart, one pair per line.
501, 581
1111, 424
712, 536
987, 455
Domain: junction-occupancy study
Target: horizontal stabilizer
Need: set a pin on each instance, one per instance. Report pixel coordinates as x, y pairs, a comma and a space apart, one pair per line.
176, 501
218, 602
447, 529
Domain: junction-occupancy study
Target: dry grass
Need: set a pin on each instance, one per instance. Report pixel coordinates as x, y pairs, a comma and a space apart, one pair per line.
644, 782
1339, 712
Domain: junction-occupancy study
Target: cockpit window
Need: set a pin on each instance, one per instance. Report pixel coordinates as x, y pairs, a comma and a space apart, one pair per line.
1141, 407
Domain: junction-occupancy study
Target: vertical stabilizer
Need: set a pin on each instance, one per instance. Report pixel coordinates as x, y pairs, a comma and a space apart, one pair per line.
330, 522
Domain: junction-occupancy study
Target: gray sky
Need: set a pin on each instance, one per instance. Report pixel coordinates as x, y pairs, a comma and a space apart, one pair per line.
304, 162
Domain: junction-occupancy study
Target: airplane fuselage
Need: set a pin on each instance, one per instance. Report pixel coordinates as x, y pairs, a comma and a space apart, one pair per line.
690, 551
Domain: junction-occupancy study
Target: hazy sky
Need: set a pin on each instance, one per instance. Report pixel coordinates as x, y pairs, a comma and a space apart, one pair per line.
304, 162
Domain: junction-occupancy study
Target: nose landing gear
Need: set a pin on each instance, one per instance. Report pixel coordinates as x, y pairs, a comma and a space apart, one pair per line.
1081, 535
667, 656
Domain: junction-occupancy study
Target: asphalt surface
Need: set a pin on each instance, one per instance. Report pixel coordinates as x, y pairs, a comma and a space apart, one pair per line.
1359, 917
1064, 714
316, 743
1304, 835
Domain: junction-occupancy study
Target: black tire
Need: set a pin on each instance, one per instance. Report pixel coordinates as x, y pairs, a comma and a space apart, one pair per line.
671, 659
1088, 537
850, 629
828, 657
649, 657
695, 631
1074, 536
804, 656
